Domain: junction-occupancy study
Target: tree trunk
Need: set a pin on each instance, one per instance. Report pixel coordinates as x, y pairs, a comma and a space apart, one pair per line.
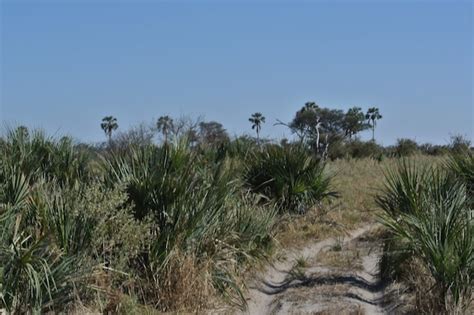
258, 136
326, 149
317, 137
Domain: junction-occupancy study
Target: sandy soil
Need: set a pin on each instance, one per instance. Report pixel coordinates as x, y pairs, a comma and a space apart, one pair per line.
322, 278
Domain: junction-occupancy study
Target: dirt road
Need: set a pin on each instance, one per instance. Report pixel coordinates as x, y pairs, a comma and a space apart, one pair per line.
333, 275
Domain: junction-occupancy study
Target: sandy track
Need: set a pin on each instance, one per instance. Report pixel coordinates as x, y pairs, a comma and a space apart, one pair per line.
275, 291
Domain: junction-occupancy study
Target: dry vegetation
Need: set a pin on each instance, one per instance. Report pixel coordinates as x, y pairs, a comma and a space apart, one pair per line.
356, 181
177, 228
359, 182
170, 227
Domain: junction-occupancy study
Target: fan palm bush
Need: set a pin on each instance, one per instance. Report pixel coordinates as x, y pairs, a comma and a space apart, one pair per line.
39, 156
198, 216
462, 166
36, 275
57, 224
290, 176
53, 239
429, 215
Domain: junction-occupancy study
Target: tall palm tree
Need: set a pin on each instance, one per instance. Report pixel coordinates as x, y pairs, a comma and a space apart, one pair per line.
257, 119
372, 116
165, 126
109, 124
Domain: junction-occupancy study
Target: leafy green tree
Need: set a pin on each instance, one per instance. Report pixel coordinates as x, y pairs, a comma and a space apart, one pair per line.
354, 122
313, 123
109, 124
306, 121
165, 125
212, 133
459, 144
257, 119
405, 147
372, 116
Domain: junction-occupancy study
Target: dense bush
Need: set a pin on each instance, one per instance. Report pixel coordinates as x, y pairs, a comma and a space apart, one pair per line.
172, 225
459, 144
362, 149
169, 225
58, 226
428, 212
405, 147
191, 205
431, 149
38, 156
289, 176
462, 166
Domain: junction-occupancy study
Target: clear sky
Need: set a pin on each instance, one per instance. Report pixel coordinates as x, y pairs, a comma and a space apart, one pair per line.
66, 64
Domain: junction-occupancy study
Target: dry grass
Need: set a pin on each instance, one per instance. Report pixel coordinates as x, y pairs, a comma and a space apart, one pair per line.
345, 259
356, 181
316, 300
185, 285
297, 230
348, 310
348, 257
412, 293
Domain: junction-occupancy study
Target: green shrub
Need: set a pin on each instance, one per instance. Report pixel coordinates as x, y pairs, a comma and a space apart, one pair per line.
405, 147
459, 144
363, 149
198, 215
430, 149
38, 156
57, 224
35, 274
289, 176
462, 166
428, 213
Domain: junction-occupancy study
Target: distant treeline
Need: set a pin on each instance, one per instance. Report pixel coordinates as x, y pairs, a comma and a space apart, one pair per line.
328, 133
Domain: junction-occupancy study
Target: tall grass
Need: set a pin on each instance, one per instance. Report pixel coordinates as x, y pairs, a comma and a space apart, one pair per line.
428, 212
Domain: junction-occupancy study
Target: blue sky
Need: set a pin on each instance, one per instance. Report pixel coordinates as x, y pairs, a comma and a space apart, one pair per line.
66, 64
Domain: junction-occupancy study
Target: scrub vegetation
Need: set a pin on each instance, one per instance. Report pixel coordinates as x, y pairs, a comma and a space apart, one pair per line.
142, 225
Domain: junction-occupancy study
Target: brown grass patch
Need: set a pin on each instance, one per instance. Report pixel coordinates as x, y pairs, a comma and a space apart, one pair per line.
356, 181
344, 259
184, 285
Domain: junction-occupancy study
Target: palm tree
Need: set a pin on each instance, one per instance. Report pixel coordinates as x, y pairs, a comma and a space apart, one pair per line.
165, 125
109, 124
372, 116
257, 119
